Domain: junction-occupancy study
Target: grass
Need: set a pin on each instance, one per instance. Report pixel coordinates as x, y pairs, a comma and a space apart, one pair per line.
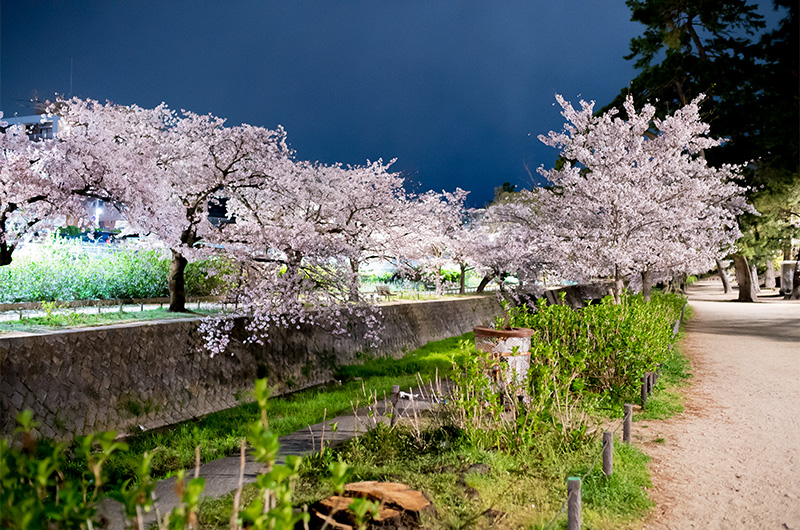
219, 434
667, 400
76, 319
524, 486
521, 488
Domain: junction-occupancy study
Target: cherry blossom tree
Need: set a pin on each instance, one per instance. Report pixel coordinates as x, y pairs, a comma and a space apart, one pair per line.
200, 160
162, 169
298, 238
29, 197
367, 211
518, 241
438, 221
634, 197
637, 195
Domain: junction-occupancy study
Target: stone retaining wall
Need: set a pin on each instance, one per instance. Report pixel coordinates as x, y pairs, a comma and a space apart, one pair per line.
146, 375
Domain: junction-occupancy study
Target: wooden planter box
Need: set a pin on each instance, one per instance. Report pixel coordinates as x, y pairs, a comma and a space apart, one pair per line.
511, 348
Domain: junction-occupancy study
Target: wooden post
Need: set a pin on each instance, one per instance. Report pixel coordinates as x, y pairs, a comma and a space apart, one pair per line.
608, 453
644, 391
141, 306
627, 417
573, 503
650, 382
395, 398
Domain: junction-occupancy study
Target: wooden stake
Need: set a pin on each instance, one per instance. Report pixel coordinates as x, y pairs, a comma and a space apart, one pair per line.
573, 503
626, 423
644, 391
608, 453
238, 496
395, 398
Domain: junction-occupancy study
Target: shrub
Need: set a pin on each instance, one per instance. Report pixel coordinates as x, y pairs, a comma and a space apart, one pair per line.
603, 349
63, 269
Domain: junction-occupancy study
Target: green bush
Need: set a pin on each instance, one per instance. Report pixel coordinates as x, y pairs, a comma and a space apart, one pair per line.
601, 349
62, 269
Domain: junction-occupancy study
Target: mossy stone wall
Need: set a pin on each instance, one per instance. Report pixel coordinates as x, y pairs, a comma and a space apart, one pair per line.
145, 375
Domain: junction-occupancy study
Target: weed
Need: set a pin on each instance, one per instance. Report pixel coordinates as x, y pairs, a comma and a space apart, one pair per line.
136, 407
307, 368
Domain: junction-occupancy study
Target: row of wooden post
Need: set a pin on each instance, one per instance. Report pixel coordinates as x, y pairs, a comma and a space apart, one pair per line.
574, 483
649, 380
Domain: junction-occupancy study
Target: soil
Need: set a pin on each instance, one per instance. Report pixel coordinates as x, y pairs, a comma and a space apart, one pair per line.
732, 460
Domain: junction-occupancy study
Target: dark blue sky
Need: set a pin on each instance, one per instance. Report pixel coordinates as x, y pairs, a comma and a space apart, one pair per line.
456, 90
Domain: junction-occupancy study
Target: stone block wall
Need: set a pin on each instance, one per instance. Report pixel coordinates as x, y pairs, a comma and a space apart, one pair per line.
145, 375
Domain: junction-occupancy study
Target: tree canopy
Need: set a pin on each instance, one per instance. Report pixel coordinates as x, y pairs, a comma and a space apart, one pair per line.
750, 77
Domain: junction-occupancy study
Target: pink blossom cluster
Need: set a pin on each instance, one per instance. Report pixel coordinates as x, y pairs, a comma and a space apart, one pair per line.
300, 232
634, 195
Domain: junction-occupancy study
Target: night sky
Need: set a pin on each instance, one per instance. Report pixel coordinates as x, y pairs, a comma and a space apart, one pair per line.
456, 90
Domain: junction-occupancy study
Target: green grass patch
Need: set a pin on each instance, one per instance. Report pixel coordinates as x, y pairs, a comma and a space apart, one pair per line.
76, 319
438, 355
219, 434
667, 399
474, 488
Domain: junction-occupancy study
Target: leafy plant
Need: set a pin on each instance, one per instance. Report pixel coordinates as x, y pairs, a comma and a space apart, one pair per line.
35, 491
604, 349
59, 269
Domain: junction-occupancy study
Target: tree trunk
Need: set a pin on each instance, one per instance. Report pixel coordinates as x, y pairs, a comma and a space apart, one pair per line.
484, 282
462, 285
6, 251
177, 283
747, 292
754, 276
726, 285
617, 285
769, 275
647, 284
795, 294
438, 281
355, 295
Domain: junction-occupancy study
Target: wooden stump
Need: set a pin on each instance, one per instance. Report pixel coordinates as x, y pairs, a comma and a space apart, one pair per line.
400, 506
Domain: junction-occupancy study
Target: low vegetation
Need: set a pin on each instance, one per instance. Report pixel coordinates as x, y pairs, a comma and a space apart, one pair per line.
485, 458
61, 269
57, 317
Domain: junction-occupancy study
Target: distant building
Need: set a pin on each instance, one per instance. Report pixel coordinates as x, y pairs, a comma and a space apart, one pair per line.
42, 127
99, 214
38, 127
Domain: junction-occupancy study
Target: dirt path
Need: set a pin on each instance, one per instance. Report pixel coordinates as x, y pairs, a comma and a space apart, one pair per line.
733, 459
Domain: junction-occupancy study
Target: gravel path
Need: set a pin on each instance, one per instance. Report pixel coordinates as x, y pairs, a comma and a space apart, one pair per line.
733, 459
